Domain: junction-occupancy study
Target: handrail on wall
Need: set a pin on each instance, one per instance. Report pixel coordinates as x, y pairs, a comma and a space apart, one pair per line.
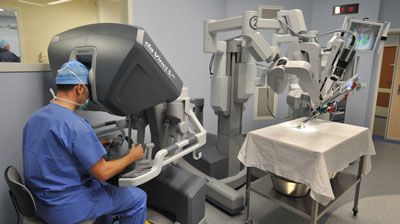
23, 67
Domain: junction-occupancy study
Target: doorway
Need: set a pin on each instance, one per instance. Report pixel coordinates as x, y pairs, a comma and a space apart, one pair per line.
386, 123
393, 124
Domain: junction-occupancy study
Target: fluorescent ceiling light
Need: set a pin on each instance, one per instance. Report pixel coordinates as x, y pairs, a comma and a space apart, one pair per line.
1, 10
30, 3
59, 2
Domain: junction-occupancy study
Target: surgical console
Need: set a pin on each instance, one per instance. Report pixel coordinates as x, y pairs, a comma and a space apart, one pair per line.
130, 77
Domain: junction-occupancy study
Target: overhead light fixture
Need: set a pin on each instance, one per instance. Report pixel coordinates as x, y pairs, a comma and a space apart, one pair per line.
1, 10
31, 3
59, 2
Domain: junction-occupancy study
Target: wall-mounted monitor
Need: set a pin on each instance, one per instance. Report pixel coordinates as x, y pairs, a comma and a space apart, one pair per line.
368, 34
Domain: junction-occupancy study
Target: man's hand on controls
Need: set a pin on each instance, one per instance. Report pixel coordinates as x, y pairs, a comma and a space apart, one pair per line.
103, 170
105, 142
136, 152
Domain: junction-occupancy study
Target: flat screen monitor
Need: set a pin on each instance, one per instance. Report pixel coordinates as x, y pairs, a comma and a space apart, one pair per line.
367, 33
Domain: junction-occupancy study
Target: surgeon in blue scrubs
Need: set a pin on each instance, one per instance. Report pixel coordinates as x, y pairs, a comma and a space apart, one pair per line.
5, 54
64, 164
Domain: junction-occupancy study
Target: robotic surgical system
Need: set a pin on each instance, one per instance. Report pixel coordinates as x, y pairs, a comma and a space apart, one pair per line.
318, 78
130, 77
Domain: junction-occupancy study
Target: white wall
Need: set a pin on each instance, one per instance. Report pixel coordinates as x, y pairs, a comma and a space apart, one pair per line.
21, 94
392, 39
176, 27
323, 20
108, 11
10, 35
389, 11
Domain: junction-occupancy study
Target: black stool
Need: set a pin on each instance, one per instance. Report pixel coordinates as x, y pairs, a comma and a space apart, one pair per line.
22, 198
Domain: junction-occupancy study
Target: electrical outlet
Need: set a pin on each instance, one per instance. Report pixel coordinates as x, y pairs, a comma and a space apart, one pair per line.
363, 85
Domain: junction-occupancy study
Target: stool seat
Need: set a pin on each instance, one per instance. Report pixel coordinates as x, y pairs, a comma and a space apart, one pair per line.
23, 200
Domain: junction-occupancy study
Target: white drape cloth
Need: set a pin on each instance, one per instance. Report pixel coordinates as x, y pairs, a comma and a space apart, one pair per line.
310, 155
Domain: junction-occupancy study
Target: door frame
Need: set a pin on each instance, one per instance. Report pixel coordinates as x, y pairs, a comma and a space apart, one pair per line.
127, 11
395, 31
393, 91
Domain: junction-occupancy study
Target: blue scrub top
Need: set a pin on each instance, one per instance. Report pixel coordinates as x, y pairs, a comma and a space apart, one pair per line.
59, 147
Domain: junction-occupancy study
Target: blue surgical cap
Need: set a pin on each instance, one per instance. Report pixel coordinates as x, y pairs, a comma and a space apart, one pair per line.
3, 43
65, 75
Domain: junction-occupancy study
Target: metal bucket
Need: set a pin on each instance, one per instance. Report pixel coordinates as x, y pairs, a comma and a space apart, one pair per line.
290, 188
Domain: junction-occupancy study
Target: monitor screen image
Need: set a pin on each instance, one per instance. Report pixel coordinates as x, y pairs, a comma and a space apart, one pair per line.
366, 34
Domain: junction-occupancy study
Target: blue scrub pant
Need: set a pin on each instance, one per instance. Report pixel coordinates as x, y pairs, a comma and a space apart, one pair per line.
129, 203
104, 202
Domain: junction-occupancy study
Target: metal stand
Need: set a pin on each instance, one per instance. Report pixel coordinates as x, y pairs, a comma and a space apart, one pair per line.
314, 212
305, 206
360, 169
247, 219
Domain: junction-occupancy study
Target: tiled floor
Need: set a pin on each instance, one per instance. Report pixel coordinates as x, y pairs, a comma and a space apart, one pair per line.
379, 198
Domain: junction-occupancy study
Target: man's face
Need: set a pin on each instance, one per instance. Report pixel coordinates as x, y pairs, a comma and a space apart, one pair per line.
7, 47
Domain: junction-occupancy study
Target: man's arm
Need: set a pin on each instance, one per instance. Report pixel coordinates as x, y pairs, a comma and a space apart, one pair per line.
103, 170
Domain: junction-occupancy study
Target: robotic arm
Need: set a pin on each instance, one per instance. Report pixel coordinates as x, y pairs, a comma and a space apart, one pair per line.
253, 48
318, 71
257, 46
328, 102
340, 66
